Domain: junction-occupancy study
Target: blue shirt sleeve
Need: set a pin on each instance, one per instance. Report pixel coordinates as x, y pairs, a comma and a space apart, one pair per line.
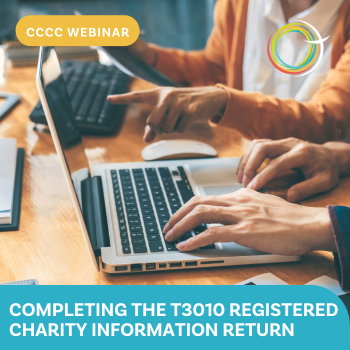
340, 220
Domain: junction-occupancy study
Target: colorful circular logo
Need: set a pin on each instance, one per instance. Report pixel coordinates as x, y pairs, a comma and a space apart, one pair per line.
313, 57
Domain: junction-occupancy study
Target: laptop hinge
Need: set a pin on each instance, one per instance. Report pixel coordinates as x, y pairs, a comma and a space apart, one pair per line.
94, 213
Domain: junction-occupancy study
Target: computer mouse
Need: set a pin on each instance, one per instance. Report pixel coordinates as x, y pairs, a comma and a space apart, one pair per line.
177, 149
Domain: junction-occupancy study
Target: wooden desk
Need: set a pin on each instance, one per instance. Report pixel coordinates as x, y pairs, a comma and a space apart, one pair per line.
49, 245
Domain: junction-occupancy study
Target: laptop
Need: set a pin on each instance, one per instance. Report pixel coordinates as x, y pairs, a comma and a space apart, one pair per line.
123, 207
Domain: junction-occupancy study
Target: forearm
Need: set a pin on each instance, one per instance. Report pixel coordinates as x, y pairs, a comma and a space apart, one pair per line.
192, 68
258, 116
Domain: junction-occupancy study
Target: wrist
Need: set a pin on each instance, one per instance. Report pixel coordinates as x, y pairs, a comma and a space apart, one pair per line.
323, 238
341, 154
222, 101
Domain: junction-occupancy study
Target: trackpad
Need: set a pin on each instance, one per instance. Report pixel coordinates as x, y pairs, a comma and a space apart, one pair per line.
217, 190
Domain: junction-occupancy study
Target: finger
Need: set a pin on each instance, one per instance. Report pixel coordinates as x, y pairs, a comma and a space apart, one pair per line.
320, 183
207, 214
211, 235
257, 156
182, 124
191, 204
168, 124
283, 163
148, 96
245, 158
149, 135
158, 114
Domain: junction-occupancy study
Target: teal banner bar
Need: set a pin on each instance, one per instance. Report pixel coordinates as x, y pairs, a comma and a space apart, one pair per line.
172, 317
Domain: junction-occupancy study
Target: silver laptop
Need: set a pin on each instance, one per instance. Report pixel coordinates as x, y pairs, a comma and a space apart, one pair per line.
123, 207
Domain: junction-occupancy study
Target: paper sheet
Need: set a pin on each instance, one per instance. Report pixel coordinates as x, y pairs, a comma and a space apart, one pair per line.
8, 156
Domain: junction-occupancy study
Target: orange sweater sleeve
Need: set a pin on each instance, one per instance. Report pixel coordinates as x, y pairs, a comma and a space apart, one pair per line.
325, 117
197, 68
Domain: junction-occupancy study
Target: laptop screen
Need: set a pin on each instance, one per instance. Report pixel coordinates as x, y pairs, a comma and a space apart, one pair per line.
62, 112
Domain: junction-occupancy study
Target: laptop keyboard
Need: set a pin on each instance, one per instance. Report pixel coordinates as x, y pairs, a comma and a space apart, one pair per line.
145, 199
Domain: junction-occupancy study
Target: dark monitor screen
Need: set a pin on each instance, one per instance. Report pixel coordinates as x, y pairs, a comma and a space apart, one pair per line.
61, 111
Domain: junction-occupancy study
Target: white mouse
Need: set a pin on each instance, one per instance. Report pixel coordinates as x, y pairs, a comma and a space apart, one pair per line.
177, 149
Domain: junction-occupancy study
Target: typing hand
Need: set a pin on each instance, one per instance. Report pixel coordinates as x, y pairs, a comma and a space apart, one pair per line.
176, 109
260, 221
321, 165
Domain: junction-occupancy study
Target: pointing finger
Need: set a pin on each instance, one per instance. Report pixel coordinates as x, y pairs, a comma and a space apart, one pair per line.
148, 96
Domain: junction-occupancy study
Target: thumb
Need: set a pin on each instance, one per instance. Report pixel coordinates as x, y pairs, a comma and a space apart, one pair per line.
319, 183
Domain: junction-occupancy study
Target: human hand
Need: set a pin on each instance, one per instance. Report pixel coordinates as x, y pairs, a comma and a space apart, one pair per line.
321, 165
176, 109
255, 220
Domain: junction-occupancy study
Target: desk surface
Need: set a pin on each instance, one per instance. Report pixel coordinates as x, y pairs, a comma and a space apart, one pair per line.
49, 245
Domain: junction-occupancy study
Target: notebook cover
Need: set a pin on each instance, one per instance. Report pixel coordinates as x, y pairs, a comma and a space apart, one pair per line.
17, 194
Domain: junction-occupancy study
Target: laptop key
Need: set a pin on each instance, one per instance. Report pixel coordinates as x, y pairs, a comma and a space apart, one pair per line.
130, 204
145, 200
139, 249
126, 250
118, 203
159, 198
129, 198
123, 234
163, 216
175, 205
138, 241
125, 242
136, 235
133, 216
174, 200
128, 193
121, 221
132, 210
157, 193
160, 204
163, 221
170, 247
147, 211
153, 237
141, 190
172, 194
149, 218
143, 195
135, 222
162, 210
122, 228
146, 206
150, 224
135, 228
152, 230
156, 246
